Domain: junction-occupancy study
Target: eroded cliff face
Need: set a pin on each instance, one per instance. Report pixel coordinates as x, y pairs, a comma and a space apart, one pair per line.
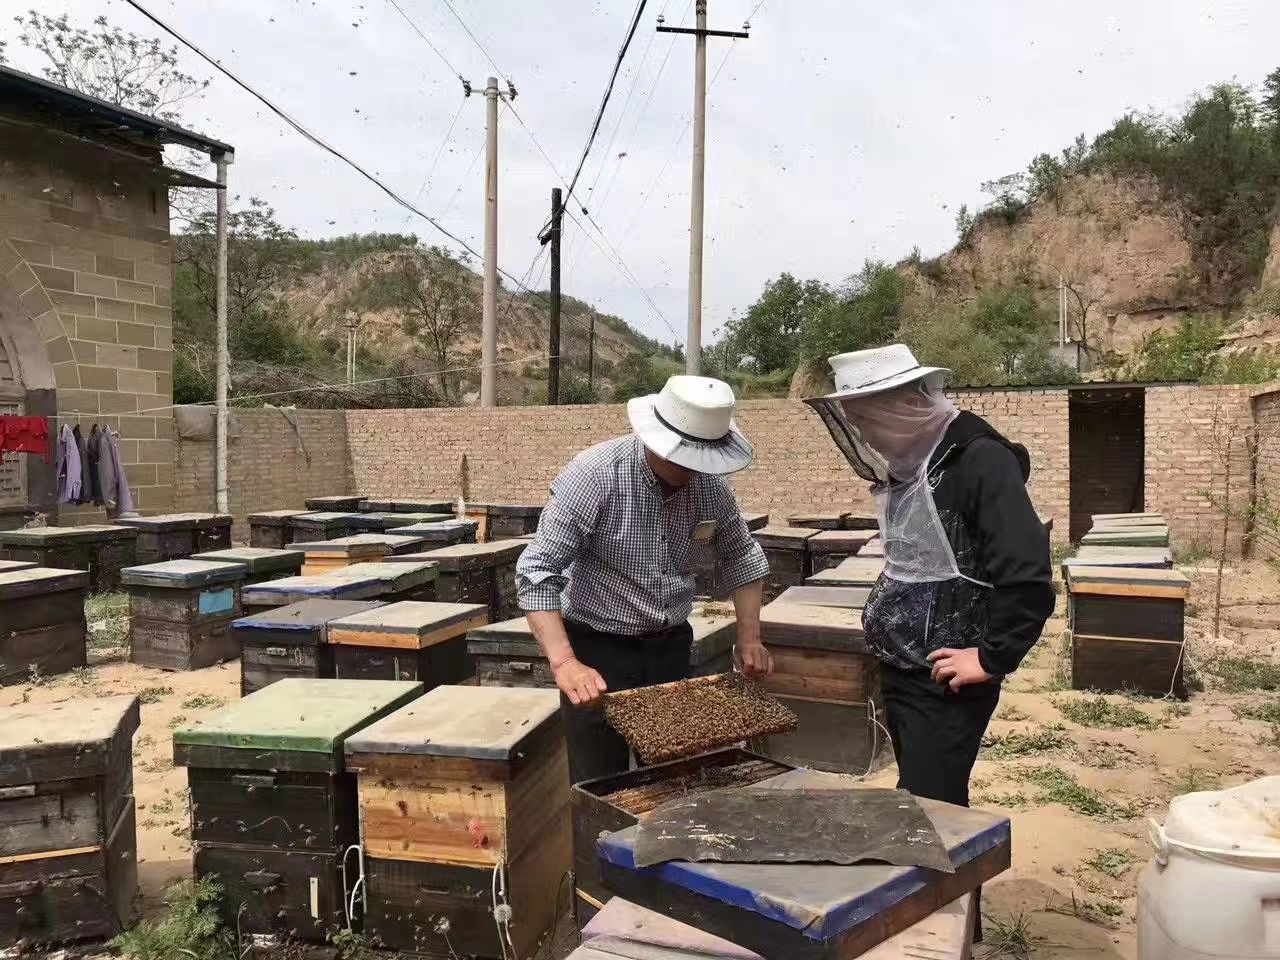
1271, 272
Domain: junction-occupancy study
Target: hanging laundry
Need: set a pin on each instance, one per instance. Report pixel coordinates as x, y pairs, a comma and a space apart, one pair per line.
115, 486
25, 435
85, 486
92, 449
69, 469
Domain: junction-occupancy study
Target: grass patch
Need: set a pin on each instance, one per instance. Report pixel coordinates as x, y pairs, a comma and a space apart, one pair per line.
1266, 712
1012, 937
1193, 552
202, 701
1176, 711
1271, 738
1241, 674
1114, 862
1012, 714
82, 676
1058, 786
1100, 713
108, 618
190, 930
153, 694
1060, 664
1192, 780
1025, 744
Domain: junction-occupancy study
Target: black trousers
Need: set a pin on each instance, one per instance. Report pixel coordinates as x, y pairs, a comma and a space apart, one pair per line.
625, 662
936, 733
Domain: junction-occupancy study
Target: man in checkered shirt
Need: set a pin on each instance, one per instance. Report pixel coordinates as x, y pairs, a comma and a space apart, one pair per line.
608, 582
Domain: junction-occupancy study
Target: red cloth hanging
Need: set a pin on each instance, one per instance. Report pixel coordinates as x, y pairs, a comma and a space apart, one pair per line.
25, 435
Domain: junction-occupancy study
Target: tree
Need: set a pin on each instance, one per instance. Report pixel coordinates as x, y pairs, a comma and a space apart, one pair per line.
641, 376
439, 305
1013, 319
863, 313
768, 334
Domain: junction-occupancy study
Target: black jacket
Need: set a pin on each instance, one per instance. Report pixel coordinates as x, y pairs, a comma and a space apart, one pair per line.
979, 488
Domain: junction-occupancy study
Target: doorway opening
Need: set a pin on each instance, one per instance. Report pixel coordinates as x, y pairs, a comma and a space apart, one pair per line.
1108, 466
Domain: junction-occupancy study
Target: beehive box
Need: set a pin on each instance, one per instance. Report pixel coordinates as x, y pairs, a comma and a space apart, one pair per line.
381, 505
8, 566
325, 556
1156, 558
68, 857
618, 801
830, 548
270, 528
480, 573
755, 521
171, 536
272, 808
715, 630
451, 786
261, 563
180, 612
42, 625
213, 531
1128, 537
324, 525
824, 673
1153, 519
818, 521
852, 597
510, 520
854, 572
442, 533
409, 640
394, 542
379, 522
873, 548
289, 642
341, 503
787, 549
1127, 627
101, 549
363, 581
707, 579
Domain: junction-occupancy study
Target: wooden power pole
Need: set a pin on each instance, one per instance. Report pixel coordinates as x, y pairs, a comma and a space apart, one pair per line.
553, 237
693, 348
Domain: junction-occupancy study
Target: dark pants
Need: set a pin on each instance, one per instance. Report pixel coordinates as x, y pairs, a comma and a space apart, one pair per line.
936, 735
625, 662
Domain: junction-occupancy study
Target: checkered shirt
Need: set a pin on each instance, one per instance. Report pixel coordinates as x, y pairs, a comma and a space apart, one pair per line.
613, 554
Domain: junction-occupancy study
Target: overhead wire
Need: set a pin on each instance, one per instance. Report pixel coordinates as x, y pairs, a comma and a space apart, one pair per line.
444, 142
427, 40
309, 136
476, 41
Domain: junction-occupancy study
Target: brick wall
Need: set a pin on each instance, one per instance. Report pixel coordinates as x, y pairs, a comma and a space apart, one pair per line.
1266, 412
270, 464
84, 249
1196, 438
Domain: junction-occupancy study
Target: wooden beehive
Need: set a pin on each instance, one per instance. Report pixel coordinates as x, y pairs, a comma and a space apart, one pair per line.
68, 857
42, 625
395, 542
341, 503
442, 533
380, 505
180, 611
817, 521
787, 549
852, 597
262, 563
324, 556
873, 548
824, 673
755, 521
618, 801
830, 548
8, 566
322, 525
1154, 519
854, 572
1127, 628
510, 520
289, 642
480, 573
707, 575
409, 640
715, 630
451, 786
213, 531
272, 808
381, 521
1127, 537
1156, 558
101, 549
270, 528
363, 581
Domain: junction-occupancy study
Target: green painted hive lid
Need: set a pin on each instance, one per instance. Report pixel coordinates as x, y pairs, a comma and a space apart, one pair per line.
294, 724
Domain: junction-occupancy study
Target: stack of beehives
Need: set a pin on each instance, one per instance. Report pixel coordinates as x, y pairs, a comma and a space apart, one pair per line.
181, 611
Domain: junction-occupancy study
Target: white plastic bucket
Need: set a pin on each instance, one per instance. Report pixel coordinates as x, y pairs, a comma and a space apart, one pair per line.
1212, 890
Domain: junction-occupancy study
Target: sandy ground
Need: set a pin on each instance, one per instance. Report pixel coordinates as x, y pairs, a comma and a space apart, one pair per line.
1071, 891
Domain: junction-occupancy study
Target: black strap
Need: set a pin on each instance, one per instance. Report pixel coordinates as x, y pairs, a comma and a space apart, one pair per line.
685, 436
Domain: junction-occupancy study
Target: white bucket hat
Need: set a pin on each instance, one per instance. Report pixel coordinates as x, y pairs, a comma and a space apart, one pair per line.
691, 424
864, 372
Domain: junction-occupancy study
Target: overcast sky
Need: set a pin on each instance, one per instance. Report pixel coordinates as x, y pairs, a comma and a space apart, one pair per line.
841, 130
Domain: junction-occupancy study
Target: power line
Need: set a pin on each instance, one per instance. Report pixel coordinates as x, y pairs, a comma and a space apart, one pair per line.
308, 135
476, 41
427, 40
436, 160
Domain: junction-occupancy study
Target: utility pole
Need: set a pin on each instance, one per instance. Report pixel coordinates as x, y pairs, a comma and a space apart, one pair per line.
591, 354
693, 346
489, 322
352, 321
553, 237
223, 383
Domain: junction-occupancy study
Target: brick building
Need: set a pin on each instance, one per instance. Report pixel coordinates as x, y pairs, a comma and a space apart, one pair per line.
86, 274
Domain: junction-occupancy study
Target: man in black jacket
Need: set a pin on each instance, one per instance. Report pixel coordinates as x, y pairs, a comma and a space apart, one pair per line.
967, 585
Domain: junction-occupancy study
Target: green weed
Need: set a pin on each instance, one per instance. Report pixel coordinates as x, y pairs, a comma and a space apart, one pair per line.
82, 676
1268, 712
1271, 738
1114, 861
107, 615
1059, 787
1024, 744
155, 764
1011, 713
191, 929
153, 694
1013, 937
202, 701
1102, 714
1241, 674
1192, 780
1176, 711
177, 721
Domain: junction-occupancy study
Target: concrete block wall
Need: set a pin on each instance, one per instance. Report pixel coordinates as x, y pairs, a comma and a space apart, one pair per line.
270, 464
84, 246
1266, 414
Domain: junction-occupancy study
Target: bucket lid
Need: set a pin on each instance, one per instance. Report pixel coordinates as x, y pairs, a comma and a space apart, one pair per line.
1242, 821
